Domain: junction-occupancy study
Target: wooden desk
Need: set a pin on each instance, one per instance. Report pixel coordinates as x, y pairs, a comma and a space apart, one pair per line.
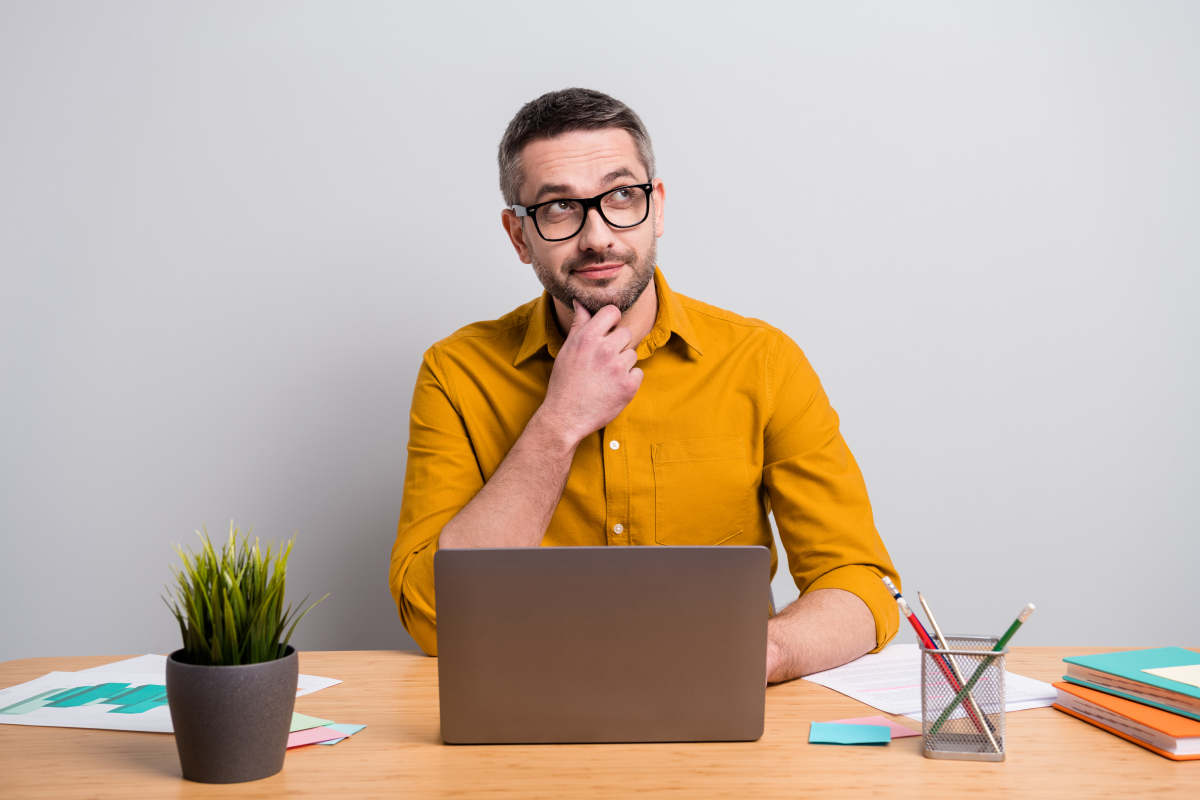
401, 754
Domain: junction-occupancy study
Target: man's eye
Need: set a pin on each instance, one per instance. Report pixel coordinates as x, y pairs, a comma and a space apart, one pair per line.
619, 199
558, 209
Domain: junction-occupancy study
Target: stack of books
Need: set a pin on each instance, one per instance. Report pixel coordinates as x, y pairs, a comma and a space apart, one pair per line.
1150, 697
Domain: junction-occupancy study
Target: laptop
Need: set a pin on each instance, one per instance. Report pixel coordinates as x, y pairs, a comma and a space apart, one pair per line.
602, 644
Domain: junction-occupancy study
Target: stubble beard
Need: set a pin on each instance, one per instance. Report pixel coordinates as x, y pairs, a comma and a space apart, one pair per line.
601, 293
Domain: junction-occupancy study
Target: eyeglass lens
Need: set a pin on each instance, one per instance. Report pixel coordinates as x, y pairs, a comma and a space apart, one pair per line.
622, 208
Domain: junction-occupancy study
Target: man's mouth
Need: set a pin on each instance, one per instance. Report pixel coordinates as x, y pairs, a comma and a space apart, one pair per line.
598, 272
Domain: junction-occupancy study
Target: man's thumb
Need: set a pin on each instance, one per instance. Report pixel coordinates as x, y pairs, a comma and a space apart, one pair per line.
581, 315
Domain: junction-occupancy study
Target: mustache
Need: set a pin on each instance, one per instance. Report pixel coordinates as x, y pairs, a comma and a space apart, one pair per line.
628, 258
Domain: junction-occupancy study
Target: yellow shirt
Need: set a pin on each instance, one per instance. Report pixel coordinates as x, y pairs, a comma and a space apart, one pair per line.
729, 425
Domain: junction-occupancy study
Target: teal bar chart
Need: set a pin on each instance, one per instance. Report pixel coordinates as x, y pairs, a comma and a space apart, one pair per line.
125, 698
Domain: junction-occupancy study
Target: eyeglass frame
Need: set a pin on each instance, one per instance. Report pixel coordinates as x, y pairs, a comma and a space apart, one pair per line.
587, 203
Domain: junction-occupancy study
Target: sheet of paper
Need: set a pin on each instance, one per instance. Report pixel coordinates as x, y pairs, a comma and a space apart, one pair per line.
890, 680
349, 730
43, 702
302, 722
151, 664
835, 733
157, 665
311, 683
313, 736
116, 701
898, 731
1189, 674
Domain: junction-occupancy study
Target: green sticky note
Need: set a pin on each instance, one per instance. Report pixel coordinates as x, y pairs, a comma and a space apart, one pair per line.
302, 722
839, 733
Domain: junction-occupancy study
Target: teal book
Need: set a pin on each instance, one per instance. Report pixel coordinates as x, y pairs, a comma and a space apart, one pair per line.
1121, 674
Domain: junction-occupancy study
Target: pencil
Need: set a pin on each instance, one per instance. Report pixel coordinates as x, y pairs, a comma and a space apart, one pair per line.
923, 635
983, 665
937, 631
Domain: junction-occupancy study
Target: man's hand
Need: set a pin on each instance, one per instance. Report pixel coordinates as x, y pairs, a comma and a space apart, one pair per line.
594, 376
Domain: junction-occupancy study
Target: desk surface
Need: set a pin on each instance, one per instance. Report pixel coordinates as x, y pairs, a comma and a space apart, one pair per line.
401, 754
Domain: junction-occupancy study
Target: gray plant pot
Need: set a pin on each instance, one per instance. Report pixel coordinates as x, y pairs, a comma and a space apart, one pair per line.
231, 723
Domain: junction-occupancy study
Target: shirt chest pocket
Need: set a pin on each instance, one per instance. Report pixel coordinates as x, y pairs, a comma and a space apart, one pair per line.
701, 490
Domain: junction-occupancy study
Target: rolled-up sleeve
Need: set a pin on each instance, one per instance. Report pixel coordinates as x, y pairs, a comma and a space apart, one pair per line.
818, 495
441, 477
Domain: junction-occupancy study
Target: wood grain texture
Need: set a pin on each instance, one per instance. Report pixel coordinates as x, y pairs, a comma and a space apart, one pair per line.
400, 754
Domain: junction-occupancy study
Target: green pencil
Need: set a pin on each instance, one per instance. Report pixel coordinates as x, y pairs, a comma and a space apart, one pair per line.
987, 662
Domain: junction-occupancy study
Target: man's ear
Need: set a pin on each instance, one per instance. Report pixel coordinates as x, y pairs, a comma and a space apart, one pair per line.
660, 198
516, 234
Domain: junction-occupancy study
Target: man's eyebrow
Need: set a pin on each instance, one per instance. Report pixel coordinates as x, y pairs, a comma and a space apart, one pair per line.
562, 189
550, 188
623, 172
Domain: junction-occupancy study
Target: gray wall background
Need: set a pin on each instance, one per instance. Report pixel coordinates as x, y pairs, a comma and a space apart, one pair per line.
228, 232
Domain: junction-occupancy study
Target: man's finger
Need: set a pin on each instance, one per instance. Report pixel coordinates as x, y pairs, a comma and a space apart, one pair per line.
581, 317
607, 318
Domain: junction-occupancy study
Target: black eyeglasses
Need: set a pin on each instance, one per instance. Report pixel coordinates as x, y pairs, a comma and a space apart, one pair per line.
559, 220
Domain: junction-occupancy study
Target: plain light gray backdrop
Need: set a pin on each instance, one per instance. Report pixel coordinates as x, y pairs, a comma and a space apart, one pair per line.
228, 232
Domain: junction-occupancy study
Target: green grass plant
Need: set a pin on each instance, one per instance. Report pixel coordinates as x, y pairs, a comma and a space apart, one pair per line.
229, 604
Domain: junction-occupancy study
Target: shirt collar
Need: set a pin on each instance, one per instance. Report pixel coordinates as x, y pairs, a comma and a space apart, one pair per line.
672, 318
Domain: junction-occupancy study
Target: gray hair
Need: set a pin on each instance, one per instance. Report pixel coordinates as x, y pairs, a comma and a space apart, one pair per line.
556, 113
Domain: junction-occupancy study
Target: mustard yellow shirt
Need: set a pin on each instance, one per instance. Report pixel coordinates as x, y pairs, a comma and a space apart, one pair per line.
730, 424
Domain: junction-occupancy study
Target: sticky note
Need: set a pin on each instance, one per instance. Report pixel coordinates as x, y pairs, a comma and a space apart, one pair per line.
898, 731
313, 736
349, 730
302, 722
836, 733
1189, 674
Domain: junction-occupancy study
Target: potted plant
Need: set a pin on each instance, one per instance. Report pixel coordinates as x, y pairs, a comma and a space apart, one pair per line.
231, 688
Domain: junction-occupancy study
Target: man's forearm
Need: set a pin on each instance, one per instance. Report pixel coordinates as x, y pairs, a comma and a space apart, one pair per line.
821, 630
593, 379
514, 507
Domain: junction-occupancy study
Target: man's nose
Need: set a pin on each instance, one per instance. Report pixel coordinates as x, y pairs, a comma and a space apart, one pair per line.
596, 235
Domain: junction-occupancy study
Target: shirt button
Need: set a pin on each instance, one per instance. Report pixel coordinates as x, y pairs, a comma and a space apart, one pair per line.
613, 445
618, 528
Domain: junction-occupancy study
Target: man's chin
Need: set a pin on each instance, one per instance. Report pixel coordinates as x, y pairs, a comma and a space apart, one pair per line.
593, 301
621, 290
597, 294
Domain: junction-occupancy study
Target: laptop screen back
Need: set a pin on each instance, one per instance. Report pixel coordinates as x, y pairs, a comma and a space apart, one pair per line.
602, 644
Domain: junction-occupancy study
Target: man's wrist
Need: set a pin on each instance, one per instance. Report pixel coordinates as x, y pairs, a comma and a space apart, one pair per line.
779, 668
548, 436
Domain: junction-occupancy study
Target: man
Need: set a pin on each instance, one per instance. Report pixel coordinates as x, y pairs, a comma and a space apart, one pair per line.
612, 411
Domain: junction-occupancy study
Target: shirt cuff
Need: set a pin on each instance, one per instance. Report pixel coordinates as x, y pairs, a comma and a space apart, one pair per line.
865, 582
416, 602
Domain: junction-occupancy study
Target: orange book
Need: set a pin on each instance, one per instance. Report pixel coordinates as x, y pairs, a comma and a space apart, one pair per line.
1170, 735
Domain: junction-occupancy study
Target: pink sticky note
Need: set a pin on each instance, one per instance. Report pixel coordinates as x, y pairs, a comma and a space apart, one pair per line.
898, 731
313, 736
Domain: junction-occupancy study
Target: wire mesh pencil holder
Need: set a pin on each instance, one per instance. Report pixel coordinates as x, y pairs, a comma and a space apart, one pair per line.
962, 699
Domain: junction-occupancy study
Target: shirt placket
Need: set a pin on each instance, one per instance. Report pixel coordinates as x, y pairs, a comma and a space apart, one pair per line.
616, 481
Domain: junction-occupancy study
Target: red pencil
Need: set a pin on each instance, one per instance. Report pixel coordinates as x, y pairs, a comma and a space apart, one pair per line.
929, 645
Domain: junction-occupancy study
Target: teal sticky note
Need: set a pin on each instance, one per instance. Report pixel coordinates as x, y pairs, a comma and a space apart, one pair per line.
839, 733
349, 730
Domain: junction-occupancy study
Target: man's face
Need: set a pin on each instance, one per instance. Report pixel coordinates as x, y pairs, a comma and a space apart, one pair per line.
600, 265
